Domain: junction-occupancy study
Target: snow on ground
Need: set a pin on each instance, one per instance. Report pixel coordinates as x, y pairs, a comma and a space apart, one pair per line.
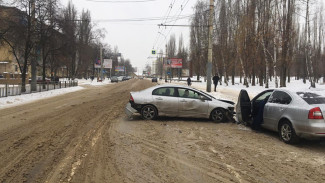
94, 82
11, 101
231, 92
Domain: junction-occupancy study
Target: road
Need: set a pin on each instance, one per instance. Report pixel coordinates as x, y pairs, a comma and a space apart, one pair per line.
86, 137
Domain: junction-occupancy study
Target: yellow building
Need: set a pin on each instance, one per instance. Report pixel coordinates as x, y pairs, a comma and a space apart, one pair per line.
8, 63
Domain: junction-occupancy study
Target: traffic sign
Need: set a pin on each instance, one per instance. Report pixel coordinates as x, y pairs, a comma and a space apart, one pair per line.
153, 52
168, 73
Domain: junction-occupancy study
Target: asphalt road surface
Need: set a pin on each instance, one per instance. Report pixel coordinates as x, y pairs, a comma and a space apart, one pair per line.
86, 137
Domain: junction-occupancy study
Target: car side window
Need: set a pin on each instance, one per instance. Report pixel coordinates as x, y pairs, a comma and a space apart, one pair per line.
280, 97
168, 92
187, 93
263, 96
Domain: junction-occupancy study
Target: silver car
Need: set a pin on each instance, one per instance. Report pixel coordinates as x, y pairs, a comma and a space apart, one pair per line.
178, 101
293, 114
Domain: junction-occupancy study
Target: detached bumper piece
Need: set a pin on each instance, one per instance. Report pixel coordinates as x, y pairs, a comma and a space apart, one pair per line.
129, 110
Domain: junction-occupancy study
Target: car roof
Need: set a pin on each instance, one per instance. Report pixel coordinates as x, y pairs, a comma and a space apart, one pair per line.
172, 85
295, 90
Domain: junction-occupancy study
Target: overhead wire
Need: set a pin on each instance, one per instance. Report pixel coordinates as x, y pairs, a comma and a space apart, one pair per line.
127, 1
141, 19
171, 5
181, 10
162, 33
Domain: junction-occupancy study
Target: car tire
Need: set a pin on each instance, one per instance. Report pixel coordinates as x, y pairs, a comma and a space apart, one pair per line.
218, 115
149, 112
287, 133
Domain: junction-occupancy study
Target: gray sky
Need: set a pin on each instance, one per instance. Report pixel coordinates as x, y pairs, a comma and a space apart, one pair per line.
135, 40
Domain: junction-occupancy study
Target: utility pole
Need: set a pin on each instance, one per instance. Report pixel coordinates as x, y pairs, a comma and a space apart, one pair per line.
33, 60
101, 63
166, 68
209, 64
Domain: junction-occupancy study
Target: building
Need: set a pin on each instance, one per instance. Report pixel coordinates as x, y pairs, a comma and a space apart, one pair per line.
8, 63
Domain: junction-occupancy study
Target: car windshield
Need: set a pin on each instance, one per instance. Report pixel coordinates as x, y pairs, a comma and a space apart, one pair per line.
312, 98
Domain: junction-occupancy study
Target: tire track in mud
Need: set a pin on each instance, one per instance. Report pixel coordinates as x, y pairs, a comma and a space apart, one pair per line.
182, 164
51, 144
85, 137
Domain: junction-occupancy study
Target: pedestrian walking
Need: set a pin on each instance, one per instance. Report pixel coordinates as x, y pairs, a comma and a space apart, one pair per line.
215, 81
189, 81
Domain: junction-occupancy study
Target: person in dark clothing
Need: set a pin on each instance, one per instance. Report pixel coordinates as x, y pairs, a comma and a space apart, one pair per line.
258, 116
215, 81
189, 81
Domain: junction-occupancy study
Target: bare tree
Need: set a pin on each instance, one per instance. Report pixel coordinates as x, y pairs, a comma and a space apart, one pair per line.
69, 29
20, 35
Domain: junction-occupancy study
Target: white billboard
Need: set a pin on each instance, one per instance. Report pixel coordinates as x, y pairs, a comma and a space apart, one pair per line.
107, 64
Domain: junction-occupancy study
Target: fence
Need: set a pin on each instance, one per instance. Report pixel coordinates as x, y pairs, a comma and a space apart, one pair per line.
13, 90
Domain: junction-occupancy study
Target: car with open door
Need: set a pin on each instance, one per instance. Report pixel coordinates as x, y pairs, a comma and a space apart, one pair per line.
178, 101
293, 114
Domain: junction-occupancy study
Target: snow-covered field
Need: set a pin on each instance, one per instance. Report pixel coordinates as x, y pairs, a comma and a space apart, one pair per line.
231, 92
26, 98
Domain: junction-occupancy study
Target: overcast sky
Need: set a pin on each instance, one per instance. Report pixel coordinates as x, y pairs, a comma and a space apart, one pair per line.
135, 40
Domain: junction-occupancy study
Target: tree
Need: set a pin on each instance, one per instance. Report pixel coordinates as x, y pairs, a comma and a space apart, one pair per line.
199, 39
68, 26
20, 34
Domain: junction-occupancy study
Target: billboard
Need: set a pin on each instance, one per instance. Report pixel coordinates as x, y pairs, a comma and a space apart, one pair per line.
107, 64
176, 62
119, 68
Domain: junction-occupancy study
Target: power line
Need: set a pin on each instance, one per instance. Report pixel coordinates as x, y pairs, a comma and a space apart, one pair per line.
141, 19
110, 1
167, 15
181, 10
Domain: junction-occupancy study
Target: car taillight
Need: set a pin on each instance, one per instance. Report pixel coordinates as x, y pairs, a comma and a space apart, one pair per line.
131, 98
315, 113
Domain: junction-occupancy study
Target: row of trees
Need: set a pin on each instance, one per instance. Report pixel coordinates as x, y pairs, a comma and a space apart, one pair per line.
261, 40
53, 37
172, 51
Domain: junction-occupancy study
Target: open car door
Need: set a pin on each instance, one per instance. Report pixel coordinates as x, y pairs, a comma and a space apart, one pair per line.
243, 108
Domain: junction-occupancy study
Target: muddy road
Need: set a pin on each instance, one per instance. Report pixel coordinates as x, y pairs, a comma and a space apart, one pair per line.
86, 137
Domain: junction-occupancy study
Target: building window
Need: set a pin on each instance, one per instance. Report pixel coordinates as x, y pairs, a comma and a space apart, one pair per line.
16, 68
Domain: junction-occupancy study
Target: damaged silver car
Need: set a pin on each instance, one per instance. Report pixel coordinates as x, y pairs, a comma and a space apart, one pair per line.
178, 101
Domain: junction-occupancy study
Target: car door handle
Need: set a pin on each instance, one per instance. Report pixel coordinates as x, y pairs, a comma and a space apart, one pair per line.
159, 98
183, 101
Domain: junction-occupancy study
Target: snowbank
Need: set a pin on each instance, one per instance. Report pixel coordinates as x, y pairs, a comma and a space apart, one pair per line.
27, 98
11, 101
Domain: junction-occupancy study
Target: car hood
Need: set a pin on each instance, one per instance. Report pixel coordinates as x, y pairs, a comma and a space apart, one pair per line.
221, 103
227, 101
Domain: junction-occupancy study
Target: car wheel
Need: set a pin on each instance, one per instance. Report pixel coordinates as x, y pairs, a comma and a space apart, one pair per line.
218, 115
149, 112
287, 133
